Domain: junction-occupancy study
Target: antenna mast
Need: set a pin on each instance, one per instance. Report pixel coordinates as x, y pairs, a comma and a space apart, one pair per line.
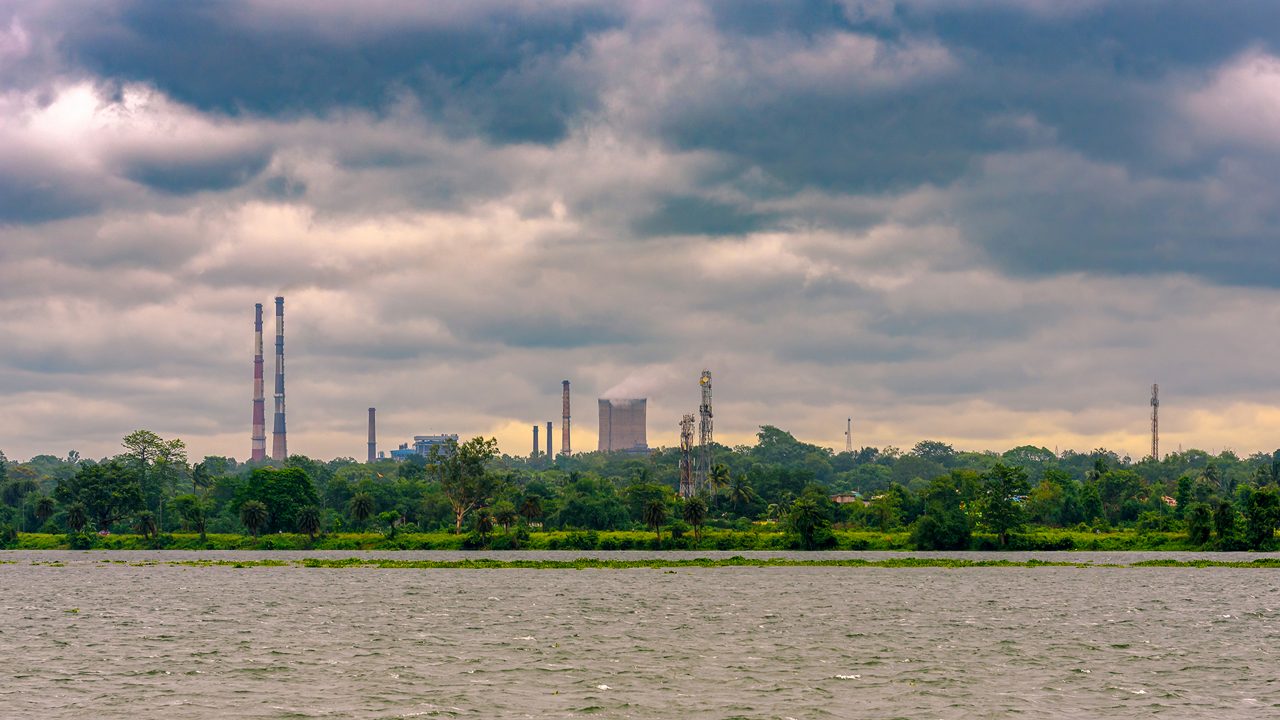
1155, 423
686, 456
702, 482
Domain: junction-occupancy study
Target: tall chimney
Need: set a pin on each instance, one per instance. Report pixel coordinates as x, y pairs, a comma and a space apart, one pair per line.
535, 441
373, 436
564, 421
550, 455
258, 452
279, 446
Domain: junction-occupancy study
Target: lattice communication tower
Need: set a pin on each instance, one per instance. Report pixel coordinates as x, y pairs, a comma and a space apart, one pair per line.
703, 482
686, 456
1155, 422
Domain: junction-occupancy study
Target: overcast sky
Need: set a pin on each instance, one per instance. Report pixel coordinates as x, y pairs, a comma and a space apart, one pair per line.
987, 223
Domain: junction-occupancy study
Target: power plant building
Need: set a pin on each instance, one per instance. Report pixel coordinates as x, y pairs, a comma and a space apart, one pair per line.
622, 425
422, 445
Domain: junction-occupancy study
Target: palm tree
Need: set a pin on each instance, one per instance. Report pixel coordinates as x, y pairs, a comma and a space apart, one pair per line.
145, 524
484, 524
504, 513
655, 514
77, 517
309, 521
695, 513
531, 508
361, 507
45, 507
719, 478
253, 514
740, 492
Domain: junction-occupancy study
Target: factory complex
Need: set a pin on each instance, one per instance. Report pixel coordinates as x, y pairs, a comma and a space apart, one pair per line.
623, 422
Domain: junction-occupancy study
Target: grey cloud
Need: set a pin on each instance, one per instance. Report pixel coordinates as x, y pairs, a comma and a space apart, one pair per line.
181, 176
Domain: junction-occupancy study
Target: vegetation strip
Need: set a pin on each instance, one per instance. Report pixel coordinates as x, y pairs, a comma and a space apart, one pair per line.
674, 563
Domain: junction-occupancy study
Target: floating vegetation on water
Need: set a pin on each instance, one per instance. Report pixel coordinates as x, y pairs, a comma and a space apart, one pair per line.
668, 565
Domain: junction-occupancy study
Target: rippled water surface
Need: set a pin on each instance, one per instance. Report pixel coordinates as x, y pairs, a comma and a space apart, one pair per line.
83, 638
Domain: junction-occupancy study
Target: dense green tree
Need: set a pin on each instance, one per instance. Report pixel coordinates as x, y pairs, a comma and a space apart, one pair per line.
1004, 489
283, 491
254, 516
1261, 516
1224, 523
13, 492
809, 523
194, 512
390, 519
464, 477
109, 492
934, 451
309, 520
1199, 521
945, 524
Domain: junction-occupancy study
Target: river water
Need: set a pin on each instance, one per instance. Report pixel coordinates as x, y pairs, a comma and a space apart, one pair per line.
82, 637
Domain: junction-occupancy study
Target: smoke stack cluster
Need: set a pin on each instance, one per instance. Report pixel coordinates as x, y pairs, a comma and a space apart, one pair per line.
258, 452
279, 443
373, 436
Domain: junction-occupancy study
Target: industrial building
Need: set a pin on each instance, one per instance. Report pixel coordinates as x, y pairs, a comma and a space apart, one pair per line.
622, 425
422, 445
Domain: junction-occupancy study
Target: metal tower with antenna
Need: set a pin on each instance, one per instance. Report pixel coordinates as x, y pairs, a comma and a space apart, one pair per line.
703, 480
686, 456
848, 435
1155, 423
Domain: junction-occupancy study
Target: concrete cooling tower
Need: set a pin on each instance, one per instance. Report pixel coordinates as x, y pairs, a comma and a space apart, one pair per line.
622, 425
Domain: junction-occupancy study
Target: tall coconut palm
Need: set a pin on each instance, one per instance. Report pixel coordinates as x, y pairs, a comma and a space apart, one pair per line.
309, 521
718, 479
253, 514
361, 507
695, 513
531, 508
77, 517
740, 492
655, 514
45, 508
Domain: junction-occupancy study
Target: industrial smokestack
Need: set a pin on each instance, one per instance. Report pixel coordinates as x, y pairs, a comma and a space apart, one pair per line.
550, 455
564, 421
373, 436
258, 452
279, 445
535, 441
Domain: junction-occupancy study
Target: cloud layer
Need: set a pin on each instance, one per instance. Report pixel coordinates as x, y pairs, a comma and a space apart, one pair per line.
991, 224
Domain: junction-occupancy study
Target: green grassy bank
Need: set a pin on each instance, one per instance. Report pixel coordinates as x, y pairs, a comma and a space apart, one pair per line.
1040, 540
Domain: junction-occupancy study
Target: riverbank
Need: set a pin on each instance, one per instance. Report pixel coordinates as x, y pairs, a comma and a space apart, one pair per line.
1040, 540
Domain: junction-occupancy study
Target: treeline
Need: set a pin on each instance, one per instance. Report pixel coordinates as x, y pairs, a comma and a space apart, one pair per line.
942, 497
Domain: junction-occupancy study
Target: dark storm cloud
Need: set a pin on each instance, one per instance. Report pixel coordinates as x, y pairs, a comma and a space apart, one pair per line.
180, 176
948, 216
495, 73
700, 216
